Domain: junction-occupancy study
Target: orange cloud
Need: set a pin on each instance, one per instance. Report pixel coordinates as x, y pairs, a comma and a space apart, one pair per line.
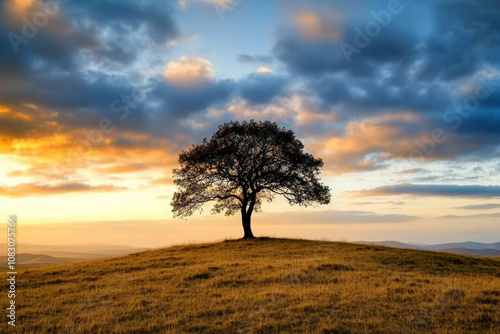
47, 159
122, 168
18, 7
315, 27
264, 69
169, 180
33, 189
189, 71
54, 167
26, 122
363, 143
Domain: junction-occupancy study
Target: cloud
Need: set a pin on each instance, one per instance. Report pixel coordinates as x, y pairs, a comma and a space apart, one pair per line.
189, 71
169, 180
464, 38
264, 69
413, 171
473, 191
341, 217
379, 203
103, 32
218, 2
262, 87
129, 16
403, 69
78, 64
35, 189
484, 215
314, 26
364, 145
486, 206
130, 167
23, 121
366, 96
244, 58
176, 102
311, 44
357, 117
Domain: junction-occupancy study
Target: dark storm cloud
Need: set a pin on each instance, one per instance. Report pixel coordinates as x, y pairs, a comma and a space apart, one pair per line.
180, 102
129, 16
449, 43
474, 191
313, 57
417, 63
465, 36
481, 125
98, 31
436, 40
469, 135
261, 88
50, 69
447, 56
75, 101
368, 96
54, 43
106, 30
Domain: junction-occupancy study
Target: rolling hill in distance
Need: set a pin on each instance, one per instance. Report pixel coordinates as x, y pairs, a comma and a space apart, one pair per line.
264, 285
79, 250
468, 247
30, 255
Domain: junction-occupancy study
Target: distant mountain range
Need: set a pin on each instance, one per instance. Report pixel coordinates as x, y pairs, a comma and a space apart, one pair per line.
466, 248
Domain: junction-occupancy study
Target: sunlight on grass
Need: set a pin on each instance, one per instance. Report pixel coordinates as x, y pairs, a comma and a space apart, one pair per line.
264, 286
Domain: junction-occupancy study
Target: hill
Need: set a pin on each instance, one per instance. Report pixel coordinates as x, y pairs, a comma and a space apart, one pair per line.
30, 255
31, 260
264, 286
467, 248
79, 250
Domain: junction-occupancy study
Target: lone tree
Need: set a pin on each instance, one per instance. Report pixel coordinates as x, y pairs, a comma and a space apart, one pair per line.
242, 165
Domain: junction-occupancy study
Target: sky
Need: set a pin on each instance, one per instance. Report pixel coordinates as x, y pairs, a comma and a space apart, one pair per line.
401, 100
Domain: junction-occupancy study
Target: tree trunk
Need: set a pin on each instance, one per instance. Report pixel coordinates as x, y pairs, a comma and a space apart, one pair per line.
246, 226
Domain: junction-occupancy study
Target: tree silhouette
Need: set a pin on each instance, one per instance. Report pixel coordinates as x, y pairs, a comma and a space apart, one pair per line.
242, 165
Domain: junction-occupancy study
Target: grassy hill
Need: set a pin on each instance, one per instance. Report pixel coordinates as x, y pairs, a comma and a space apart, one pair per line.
263, 286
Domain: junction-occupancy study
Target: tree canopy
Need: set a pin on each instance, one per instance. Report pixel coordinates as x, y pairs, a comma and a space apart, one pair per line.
243, 164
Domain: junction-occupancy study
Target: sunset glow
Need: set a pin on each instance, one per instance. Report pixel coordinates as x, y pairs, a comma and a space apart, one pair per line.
98, 102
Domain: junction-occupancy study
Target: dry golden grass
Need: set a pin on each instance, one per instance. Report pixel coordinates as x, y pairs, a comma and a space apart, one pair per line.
263, 286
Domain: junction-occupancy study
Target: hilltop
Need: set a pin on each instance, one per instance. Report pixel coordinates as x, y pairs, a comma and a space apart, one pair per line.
264, 286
